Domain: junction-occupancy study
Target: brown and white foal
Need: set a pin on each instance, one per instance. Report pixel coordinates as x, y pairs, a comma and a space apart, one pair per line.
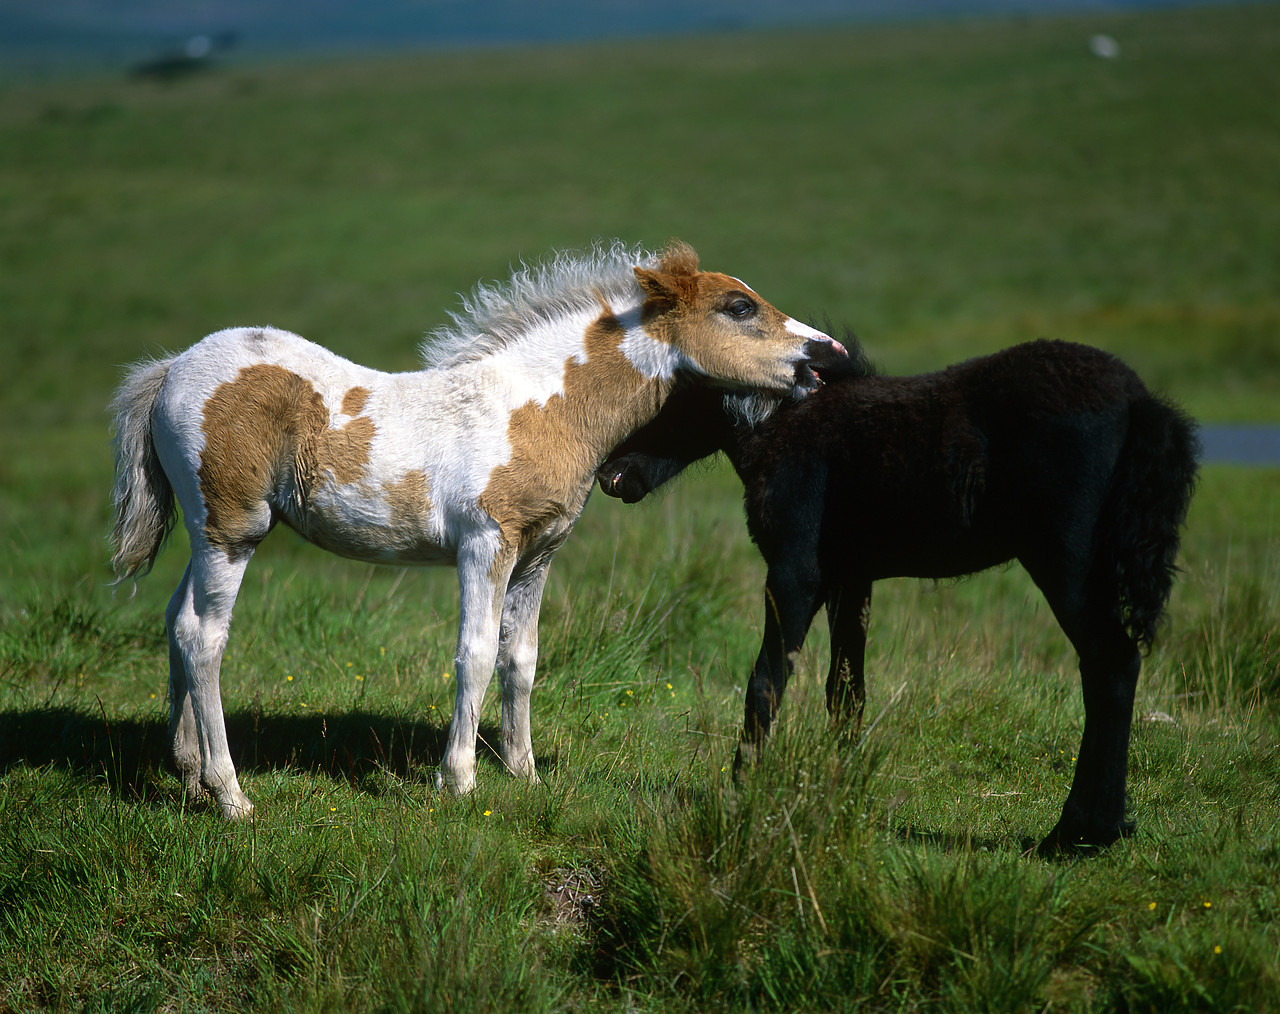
483, 459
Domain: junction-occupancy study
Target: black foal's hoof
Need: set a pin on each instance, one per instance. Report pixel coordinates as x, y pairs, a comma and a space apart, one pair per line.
1064, 842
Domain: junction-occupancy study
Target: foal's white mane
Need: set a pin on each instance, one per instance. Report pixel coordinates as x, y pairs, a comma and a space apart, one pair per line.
496, 314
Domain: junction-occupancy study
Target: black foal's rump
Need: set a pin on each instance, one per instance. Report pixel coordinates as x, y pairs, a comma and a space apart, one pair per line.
1049, 453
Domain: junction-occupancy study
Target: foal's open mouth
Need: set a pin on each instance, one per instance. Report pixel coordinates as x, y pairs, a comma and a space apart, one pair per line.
819, 353
808, 380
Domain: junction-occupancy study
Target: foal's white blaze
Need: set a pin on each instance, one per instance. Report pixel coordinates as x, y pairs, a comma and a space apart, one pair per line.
805, 331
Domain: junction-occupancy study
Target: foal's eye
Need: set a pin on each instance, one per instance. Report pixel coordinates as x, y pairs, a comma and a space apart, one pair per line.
741, 308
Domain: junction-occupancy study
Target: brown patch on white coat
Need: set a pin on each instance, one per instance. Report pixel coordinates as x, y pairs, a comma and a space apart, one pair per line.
409, 506
269, 443
541, 488
354, 400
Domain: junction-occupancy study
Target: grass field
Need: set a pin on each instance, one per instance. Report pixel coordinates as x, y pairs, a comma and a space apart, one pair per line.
946, 188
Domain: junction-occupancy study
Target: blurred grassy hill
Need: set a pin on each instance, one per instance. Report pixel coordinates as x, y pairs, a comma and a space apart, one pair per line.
945, 188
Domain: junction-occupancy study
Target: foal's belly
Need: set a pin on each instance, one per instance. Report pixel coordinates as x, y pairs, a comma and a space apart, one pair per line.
930, 557
374, 543
394, 523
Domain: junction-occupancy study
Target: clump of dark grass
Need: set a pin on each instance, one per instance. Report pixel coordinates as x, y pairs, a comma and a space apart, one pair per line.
785, 892
63, 637
1195, 966
972, 931
727, 894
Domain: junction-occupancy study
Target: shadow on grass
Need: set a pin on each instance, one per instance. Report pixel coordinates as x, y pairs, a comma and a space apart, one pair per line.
942, 841
132, 755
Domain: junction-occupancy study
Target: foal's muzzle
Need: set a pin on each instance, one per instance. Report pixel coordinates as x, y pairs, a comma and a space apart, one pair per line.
819, 353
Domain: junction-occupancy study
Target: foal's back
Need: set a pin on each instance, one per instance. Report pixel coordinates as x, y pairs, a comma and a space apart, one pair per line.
946, 473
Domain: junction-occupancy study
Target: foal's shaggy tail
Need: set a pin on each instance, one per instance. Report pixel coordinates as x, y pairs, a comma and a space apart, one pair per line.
1146, 509
143, 497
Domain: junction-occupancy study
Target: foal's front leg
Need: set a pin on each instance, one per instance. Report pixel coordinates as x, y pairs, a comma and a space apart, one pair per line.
517, 662
791, 600
484, 568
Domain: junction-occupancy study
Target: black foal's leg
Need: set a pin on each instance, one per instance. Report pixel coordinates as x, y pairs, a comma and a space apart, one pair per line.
1093, 814
848, 613
791, 600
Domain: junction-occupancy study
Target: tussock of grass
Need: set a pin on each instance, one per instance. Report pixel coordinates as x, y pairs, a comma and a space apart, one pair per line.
1231, 655
51, 642
707, 907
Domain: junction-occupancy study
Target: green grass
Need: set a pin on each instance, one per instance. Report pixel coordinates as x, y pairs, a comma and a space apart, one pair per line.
947, 189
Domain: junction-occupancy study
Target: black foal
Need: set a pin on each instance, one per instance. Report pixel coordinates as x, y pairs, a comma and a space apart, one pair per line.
1049, 453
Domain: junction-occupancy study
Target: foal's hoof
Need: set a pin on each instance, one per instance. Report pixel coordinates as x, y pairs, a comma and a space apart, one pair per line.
1068, 843
458, 785
747, 756
236, 807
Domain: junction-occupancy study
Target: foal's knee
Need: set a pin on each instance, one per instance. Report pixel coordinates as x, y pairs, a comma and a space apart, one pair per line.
516, 666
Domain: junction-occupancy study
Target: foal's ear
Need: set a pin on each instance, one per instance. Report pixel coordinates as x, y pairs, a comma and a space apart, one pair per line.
657, 285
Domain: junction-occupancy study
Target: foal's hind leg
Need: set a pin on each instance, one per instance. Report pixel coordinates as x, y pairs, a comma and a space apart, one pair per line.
848, 612
1093, 814
198, 620
184, 743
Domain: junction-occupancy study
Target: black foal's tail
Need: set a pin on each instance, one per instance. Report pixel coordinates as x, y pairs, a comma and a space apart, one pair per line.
1145, 512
